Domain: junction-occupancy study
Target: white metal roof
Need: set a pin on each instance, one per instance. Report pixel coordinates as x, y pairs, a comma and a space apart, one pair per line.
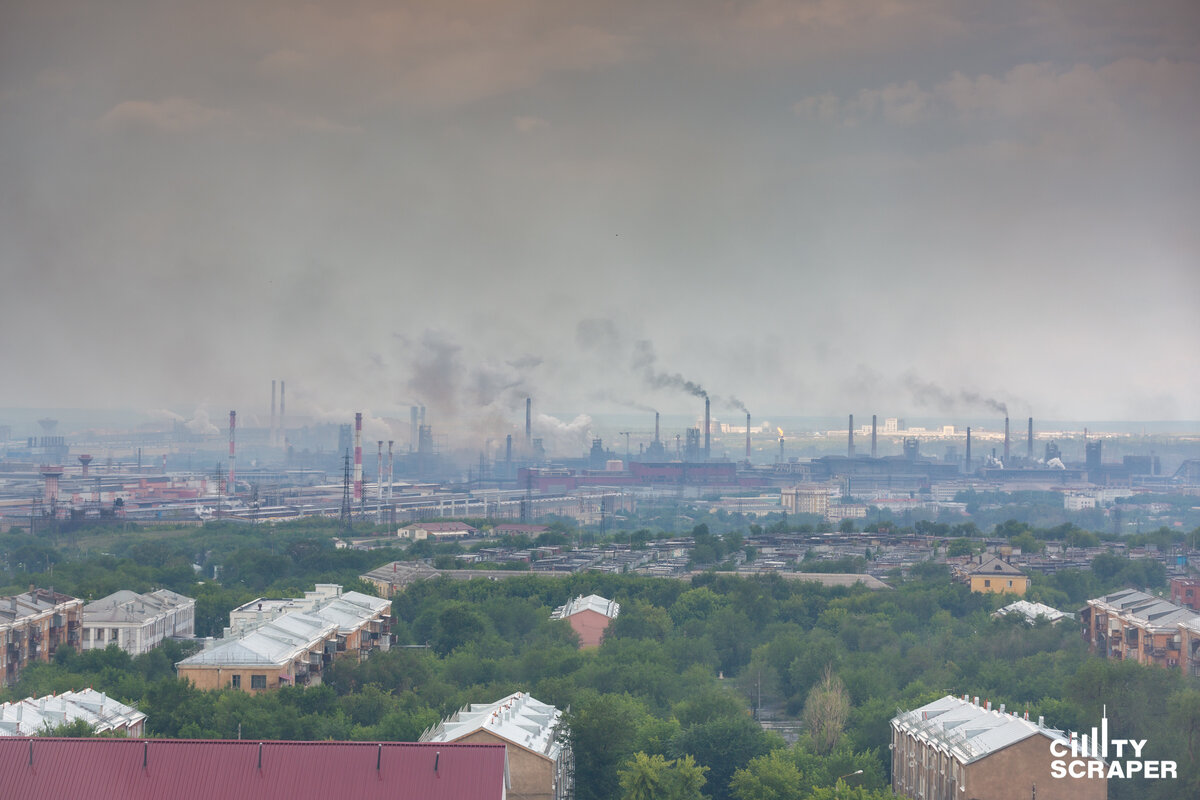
127, 606
968, 731
32, 716
1031, 611
518, 718
593, 602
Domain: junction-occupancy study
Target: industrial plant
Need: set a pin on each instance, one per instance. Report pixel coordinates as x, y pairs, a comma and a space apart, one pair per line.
303, 466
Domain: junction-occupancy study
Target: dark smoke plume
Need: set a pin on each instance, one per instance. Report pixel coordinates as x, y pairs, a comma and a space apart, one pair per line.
930, 394
644, 362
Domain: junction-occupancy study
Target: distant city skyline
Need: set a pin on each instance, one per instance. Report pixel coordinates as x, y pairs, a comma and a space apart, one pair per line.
830, 207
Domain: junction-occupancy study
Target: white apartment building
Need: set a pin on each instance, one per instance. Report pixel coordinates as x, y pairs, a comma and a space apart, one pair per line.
137, 623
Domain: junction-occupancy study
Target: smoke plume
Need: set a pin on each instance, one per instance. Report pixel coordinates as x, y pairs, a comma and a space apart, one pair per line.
644, 362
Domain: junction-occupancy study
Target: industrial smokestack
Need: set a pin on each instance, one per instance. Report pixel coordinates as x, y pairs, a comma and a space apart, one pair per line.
391, 471
874, 451
967, 466
358, 494
707, 431
1029, 441
379, 476
412, 436
656, 426
282, 420
528, 423
508, 449
232, 452
271, 436
1006, 441
850, 440
747, 437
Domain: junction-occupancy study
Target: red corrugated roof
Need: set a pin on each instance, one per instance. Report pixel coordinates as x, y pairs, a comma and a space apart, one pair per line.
229, 770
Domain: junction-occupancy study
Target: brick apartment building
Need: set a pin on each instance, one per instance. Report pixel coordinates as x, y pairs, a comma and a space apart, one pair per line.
33, 625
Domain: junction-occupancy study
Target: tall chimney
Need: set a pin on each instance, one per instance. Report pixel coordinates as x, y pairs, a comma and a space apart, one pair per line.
508, 450
747, 437
874, 451
967, 465
656, 426
271, 435
528, 423
232, 453
282, 421
379, 475
1006, 441
391, 470
1029, 441
358, 483
412, 436
850, 440
707, 430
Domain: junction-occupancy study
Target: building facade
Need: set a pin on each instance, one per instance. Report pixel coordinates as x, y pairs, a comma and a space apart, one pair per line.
997, 576
956, 749
137, 623
589, 617
32, 627
540, 761
293, 648
1135, 626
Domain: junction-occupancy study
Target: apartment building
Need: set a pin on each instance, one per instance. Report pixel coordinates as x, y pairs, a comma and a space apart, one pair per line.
958, 749
33, 625
589, 617
1135, 626
540, 761
998, 576
291, 648
34, 716
137, 623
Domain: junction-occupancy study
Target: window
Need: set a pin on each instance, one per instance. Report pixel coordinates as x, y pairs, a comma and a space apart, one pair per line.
114, 633
87, 634
987, 583
1010, 583
99, 634
258, 681
236, 681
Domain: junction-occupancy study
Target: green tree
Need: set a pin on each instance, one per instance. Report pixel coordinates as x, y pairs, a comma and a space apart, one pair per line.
655, 778
826, 712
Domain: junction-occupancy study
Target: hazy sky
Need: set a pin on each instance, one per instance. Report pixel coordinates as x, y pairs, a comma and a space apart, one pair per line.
871, 206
